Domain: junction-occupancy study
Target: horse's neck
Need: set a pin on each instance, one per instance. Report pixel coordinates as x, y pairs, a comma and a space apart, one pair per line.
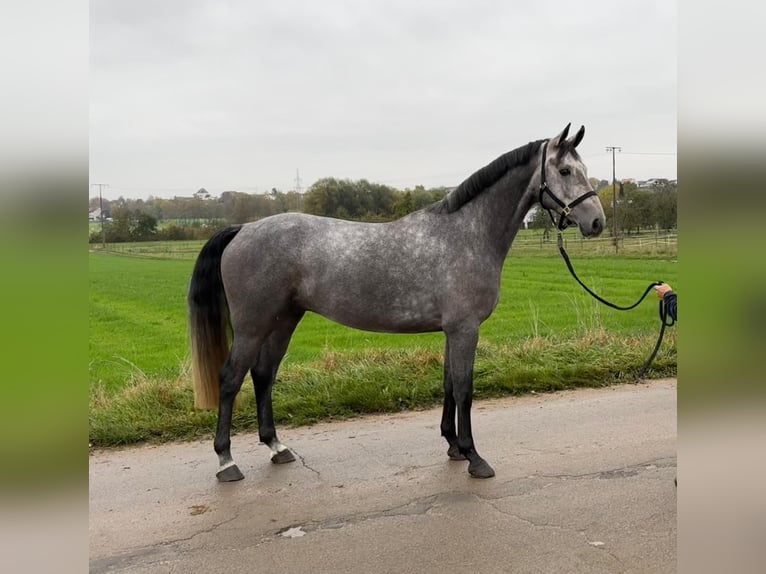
502, 208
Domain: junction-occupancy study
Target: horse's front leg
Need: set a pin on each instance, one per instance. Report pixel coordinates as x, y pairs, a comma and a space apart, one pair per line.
461, 352
448, 428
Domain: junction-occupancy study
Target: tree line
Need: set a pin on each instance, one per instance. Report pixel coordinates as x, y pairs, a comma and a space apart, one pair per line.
198, 217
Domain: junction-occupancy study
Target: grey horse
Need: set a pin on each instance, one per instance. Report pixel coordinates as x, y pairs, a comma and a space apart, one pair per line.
437, 269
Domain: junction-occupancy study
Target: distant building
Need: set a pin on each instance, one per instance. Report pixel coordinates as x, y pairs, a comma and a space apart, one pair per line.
94, 214
530, 216
651, 182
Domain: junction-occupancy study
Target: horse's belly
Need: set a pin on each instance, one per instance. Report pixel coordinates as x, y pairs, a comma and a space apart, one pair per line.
386, 315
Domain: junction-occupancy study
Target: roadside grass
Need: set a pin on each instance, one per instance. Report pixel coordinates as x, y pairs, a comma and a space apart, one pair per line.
546, 334
341, 385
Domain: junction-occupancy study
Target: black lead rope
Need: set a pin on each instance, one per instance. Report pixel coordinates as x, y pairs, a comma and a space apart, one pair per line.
663, 312
665, 323
595, 296
561, 225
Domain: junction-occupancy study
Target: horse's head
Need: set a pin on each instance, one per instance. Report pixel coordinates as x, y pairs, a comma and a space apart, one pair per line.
564, 187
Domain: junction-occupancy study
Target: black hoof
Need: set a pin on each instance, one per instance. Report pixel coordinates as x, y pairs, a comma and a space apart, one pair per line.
229, 474
454, 453
282, 457
480, 469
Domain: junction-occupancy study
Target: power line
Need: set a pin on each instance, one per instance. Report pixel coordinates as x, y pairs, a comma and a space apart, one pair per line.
649, 152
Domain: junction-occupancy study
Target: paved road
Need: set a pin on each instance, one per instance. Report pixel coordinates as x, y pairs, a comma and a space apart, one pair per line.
584, 484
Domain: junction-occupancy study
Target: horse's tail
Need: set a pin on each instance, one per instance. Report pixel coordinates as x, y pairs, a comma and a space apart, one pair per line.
209, 319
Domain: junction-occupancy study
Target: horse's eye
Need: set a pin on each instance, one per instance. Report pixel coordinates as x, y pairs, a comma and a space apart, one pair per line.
565, 171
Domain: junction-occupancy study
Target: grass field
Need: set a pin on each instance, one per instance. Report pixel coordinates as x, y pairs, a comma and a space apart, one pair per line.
546, 333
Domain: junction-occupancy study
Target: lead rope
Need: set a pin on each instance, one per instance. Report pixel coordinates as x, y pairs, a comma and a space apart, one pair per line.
665, 323
663, 311
566, 209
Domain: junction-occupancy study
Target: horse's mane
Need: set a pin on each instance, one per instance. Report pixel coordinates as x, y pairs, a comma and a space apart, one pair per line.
485, 178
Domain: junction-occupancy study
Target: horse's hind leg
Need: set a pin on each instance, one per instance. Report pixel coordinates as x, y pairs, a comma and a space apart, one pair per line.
264, 374
461, 352
244, 353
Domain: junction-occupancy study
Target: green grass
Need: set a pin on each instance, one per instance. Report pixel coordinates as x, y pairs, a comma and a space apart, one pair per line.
546, 333
138, 312
137, 318
346, 384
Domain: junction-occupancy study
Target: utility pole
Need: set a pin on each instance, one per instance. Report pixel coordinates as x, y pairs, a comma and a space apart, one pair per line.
101, 213
614, 197
298, 189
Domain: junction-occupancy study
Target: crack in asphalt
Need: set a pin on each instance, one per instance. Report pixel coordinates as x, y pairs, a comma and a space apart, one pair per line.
421, 506
490, 502
163, 551
305, 465
416, 507
621, 472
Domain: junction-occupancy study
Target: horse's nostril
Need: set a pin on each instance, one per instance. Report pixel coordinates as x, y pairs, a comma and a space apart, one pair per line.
597, 226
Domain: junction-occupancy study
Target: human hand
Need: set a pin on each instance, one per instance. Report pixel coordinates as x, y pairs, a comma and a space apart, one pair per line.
662, 289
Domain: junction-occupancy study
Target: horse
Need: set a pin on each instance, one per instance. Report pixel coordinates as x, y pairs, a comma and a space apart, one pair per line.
436, 269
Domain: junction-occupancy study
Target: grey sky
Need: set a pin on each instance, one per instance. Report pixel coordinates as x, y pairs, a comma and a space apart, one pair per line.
237, 95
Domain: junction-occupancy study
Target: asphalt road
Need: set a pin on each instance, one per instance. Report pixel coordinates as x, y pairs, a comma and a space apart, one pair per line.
584, 484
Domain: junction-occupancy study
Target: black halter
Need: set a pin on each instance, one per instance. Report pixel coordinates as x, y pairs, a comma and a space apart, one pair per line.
565, 209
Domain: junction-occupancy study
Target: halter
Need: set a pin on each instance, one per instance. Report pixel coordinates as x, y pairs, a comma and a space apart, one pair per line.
565, 209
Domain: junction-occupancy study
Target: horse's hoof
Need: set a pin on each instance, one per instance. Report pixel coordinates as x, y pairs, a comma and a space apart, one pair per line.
454, 453
229, 474
282, 457
480, 469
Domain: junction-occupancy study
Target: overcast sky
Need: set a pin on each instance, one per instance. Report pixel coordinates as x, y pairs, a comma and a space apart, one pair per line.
237, 95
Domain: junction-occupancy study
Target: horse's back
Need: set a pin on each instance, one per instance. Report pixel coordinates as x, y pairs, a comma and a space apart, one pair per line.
373, 276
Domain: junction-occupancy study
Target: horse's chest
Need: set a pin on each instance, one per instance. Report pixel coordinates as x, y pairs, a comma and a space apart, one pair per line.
476, 294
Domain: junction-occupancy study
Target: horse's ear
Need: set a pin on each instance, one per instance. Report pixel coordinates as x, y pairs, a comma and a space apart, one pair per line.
559, 139
578, 136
